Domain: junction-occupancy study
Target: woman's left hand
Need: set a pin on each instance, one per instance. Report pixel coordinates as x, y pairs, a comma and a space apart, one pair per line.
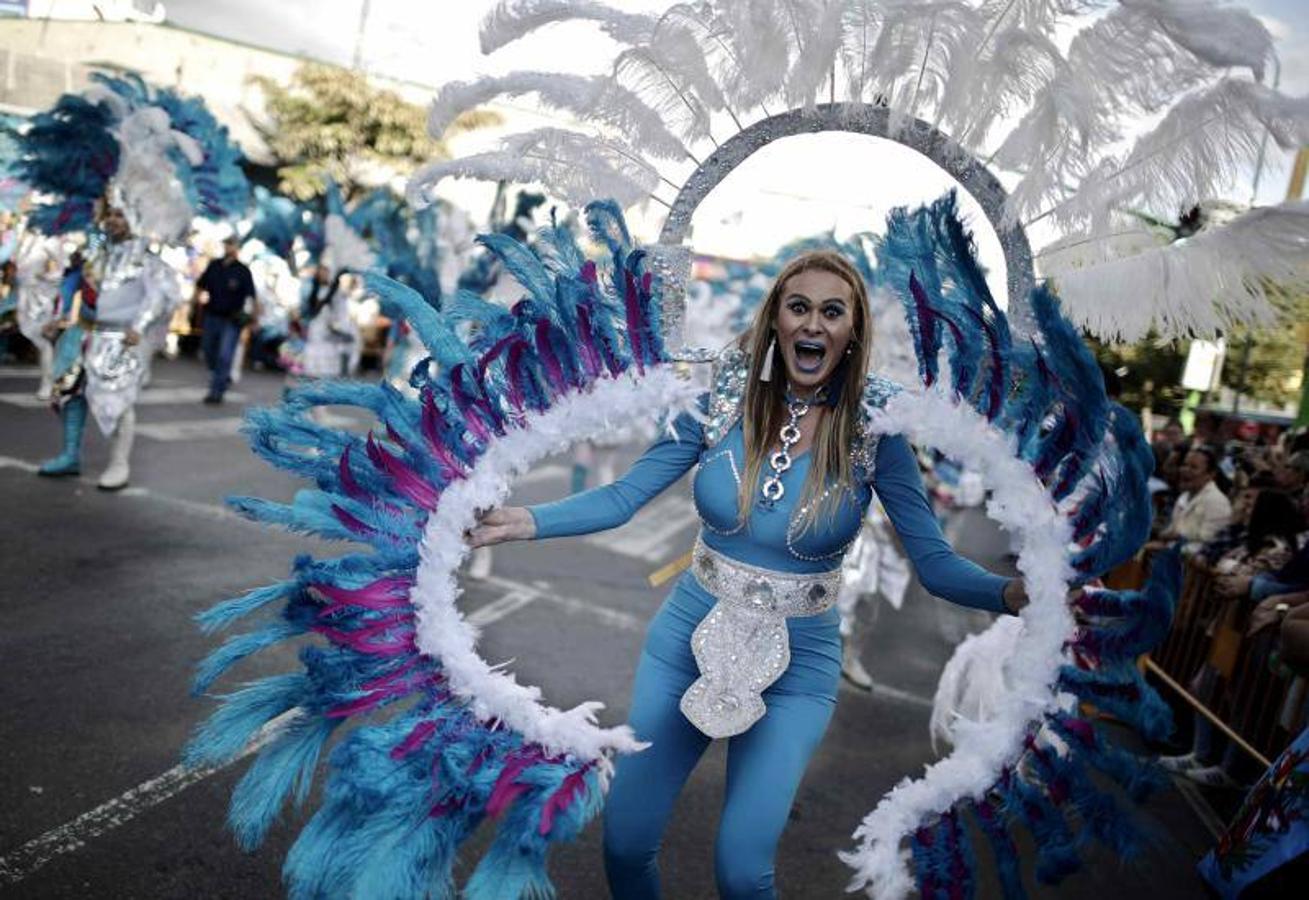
507, 523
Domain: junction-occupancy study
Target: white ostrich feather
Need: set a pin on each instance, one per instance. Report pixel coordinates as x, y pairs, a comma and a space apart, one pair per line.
973, 683
964, 65
761, 42
743, 45
512, 19
594, 99
1000, 78
1038, 16
862, 23
1113, 67
1143, 53
1222, 36
1197, 150
1196, 287
670, 89
917, 47
574, 166
153, 197
818, 41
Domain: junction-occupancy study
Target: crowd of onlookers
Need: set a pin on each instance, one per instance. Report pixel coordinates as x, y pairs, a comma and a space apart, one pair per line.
1240, 512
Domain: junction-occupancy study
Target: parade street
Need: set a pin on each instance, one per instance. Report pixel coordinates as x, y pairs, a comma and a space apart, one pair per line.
98, 644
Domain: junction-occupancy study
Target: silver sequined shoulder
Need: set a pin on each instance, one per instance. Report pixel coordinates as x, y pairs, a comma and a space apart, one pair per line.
726, 391
877, 391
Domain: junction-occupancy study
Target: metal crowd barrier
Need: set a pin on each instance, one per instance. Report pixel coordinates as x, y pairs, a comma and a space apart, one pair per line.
1258, 707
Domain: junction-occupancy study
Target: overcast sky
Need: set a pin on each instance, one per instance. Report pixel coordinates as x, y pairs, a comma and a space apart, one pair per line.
773, 197
436, 42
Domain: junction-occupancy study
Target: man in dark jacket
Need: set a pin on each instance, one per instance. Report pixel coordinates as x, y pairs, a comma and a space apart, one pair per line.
225, 291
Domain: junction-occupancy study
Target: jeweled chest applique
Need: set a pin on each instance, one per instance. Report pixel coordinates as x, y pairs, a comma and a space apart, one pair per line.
727, 394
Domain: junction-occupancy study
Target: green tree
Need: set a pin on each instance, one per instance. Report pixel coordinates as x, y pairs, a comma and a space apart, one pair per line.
1277, 353
1150, 371
330, 122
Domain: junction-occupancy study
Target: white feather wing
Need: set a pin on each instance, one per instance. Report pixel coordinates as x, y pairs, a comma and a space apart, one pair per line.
1198, 287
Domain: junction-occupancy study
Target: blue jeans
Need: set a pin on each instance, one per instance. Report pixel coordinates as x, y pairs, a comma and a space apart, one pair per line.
219, 344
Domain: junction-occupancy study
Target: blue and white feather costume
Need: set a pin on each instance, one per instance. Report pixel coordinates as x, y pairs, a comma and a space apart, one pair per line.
432, 740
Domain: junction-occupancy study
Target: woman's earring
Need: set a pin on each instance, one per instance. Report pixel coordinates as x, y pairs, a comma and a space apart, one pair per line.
766, 373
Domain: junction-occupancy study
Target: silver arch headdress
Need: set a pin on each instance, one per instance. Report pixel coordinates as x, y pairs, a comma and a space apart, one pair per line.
969, 86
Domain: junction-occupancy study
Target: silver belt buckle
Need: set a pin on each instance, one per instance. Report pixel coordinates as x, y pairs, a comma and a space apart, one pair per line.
741, 646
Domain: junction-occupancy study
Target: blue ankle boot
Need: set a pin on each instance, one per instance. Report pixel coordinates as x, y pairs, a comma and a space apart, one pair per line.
68, 462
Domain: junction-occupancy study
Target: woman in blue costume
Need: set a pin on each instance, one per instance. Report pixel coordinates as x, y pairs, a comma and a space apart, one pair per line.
747, 646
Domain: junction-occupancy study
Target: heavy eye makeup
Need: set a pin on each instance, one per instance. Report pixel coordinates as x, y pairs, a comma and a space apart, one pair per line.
832, 309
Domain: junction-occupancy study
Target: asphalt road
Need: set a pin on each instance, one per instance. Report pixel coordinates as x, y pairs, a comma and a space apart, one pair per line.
97, 644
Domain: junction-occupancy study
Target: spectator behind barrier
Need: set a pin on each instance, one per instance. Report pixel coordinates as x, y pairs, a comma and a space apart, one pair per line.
1202, 510
1233, 536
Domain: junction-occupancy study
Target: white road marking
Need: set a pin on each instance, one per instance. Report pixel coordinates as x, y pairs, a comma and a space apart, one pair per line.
151, 396
500, 607
13, 462
191, 429
542, 591
74, 835
621, 620
195, 507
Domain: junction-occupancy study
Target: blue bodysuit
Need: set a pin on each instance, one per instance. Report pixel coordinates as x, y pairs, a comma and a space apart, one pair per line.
765, 763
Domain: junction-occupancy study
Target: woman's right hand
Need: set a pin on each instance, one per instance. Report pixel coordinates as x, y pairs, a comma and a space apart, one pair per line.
508, 523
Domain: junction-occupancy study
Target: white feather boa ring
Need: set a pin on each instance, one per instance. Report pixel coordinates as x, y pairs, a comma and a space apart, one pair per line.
1020, 504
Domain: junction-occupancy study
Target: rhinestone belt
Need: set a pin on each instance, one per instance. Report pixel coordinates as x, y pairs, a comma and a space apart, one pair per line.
741, 645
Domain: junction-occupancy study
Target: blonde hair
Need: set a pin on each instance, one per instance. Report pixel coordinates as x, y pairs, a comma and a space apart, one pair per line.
764, 405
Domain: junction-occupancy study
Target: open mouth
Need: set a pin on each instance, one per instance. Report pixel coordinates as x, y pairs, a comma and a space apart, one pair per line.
809, 356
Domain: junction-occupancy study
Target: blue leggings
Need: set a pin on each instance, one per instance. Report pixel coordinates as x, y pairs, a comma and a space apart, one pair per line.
764, 765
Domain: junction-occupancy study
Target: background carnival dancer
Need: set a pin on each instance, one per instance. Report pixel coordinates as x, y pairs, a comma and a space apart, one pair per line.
782, 490
874, 571
38, 276
139, 164
125, 289
332, 342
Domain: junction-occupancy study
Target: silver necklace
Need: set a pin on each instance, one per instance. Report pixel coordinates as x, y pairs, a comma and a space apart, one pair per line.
780, 460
